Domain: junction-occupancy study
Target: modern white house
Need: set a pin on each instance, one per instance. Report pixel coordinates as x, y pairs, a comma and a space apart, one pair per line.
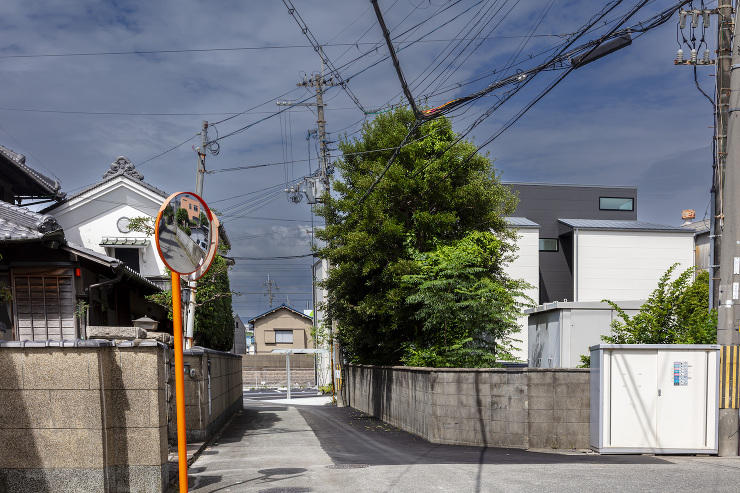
623, 260
525, 266
591, 247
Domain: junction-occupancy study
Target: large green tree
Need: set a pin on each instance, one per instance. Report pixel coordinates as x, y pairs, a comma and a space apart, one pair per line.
385, 247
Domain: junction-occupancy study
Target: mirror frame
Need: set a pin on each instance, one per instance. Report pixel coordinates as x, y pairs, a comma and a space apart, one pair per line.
213, 247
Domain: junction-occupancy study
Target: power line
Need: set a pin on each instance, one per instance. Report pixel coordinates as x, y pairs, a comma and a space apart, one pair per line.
286, 257
237, 48
317, 48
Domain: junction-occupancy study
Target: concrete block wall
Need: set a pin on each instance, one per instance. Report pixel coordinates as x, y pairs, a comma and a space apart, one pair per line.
202, 422
271, 369
82, 419
276, 377
517, 407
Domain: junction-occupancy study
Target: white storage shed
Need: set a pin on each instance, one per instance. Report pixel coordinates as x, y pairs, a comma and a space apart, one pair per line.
653, 398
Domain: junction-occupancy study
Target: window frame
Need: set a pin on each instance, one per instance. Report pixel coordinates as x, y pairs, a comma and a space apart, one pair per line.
283, 332
631, 209
557, 245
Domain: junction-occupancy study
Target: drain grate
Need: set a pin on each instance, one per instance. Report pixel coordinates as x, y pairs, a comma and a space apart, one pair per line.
346, 466
287, 489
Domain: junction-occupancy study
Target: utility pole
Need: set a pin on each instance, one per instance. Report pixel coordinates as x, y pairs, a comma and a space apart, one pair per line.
724, 230
199, 192
722, 105
727, 215
317, 187
270, 285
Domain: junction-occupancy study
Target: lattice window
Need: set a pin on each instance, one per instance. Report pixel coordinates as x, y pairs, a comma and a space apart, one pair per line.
44, 307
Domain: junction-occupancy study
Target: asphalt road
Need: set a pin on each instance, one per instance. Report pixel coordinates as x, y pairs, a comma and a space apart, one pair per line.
295, 448
173, 252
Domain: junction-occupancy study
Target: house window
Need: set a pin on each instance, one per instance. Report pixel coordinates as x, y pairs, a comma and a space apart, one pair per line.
45, 307
549, 245
130, 256
616, 204
284, 336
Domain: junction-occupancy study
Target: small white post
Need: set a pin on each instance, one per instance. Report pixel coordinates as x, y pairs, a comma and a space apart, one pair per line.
287, 366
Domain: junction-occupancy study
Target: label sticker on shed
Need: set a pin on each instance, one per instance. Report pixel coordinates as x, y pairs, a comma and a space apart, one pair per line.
681, 373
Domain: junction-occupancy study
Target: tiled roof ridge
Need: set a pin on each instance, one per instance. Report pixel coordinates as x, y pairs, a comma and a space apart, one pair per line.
119, 167
23, 219
20, 161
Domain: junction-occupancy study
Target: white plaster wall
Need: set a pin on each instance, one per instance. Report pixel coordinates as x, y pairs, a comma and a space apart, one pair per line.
89, 218
526, 266
626, 265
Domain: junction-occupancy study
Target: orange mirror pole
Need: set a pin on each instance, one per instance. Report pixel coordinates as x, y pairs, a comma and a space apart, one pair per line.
182, 445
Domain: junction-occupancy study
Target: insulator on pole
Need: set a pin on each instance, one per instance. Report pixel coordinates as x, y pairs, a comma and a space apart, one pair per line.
705, 58
679, 56
693, 55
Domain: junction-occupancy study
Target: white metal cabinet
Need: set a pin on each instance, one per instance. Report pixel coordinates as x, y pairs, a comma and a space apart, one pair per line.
654, 398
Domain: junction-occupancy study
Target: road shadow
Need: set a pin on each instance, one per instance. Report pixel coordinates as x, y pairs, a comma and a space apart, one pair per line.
251, 419
349, 436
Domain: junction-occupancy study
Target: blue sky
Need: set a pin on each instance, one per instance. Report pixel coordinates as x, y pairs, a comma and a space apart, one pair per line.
632, 118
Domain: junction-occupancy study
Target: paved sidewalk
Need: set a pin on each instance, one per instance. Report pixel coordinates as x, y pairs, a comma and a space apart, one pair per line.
274, 447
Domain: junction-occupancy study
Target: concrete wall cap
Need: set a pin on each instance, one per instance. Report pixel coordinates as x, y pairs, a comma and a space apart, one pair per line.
83, 343
141, 343
198, 350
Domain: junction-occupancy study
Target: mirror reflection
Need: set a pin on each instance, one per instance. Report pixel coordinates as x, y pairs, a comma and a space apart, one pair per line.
184, 234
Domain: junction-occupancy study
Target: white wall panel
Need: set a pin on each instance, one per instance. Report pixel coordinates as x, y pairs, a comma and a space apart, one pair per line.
626, 265
526, 266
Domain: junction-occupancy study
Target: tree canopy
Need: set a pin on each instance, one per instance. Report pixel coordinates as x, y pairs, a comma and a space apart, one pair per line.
416, 265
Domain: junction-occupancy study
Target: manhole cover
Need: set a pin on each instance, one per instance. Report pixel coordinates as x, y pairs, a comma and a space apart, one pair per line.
287, 489
346, 466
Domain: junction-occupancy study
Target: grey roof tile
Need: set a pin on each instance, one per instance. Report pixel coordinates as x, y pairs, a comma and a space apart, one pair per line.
20, 224
618, 225
111, 262
521, 222
276, 309
698, 227
120, 167
17, 160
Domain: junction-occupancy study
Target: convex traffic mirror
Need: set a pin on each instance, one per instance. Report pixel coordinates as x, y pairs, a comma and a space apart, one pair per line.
186, 233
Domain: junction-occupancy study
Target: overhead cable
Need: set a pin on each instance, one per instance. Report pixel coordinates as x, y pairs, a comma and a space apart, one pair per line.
396, 63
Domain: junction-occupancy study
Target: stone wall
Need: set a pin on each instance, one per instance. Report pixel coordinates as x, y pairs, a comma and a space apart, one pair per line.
83, 416
209, 402
512, 407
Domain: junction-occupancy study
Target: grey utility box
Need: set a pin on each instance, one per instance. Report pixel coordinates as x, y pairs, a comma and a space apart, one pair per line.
654, 398
560, 332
